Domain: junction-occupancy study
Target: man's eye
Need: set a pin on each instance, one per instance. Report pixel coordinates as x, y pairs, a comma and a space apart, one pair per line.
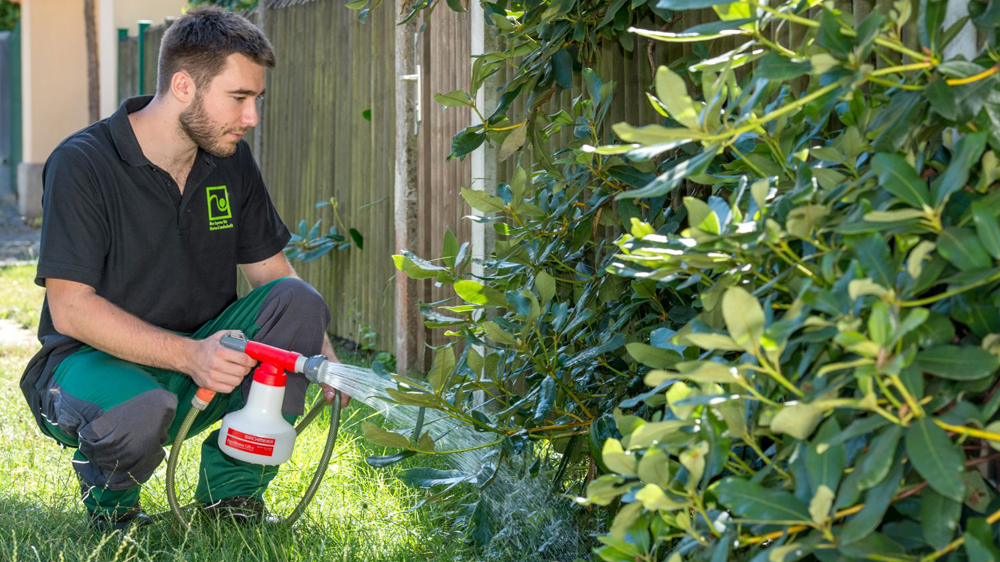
239, 98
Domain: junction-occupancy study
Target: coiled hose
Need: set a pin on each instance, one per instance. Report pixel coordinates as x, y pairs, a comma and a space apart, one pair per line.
324, 460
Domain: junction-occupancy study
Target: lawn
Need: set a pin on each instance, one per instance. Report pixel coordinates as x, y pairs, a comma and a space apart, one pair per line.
360, 513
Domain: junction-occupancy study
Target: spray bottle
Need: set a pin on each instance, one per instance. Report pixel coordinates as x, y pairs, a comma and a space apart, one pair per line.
257, 433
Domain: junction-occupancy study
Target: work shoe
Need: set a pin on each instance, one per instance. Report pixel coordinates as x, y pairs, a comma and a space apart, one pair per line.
110, 523
243, 510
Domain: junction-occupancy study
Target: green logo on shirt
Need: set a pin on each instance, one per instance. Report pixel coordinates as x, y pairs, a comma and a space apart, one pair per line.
219, 211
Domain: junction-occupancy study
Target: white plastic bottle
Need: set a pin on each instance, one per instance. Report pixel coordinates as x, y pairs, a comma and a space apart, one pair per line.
258, 434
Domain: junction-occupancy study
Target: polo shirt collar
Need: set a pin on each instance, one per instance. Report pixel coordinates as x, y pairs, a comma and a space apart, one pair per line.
124, 137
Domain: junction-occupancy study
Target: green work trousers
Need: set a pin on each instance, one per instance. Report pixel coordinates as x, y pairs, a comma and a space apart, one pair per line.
119, 415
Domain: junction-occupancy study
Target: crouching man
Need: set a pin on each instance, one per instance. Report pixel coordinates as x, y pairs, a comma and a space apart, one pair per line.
147, 215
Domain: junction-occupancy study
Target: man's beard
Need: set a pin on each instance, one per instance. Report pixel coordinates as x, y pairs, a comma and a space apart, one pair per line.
196, 124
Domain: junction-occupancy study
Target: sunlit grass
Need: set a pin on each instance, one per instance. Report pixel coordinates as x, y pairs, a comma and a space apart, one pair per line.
20, 298
359, 513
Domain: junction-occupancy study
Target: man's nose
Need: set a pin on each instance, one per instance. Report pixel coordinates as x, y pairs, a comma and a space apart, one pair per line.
250, 116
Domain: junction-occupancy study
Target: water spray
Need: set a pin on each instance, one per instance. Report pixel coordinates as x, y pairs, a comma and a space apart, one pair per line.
257, 433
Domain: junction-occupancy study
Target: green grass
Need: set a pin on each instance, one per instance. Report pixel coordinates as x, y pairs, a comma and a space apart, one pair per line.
20, 298
360, 513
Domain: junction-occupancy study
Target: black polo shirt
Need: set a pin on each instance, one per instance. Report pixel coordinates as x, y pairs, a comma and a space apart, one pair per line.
115, 221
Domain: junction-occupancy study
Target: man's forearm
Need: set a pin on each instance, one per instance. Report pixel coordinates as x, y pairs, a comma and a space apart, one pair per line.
328, 349
97, 322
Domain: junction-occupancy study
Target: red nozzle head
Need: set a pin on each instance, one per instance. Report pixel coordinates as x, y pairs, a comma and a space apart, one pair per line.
269, 374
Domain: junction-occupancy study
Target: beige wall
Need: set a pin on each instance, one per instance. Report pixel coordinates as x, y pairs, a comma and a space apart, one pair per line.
53, 74
115, 14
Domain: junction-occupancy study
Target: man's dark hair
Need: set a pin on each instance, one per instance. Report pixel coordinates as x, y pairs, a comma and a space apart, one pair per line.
200, 41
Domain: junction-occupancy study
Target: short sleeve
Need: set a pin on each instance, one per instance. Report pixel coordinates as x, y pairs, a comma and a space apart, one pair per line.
262, 234
75, 230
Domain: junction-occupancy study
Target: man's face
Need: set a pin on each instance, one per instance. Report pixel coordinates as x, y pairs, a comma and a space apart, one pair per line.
223, 110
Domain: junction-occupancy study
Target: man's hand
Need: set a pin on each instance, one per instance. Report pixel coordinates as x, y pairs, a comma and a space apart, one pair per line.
329, 394
216, 367
329, 391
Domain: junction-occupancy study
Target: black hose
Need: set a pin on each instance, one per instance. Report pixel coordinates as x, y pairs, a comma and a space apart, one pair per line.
324, 461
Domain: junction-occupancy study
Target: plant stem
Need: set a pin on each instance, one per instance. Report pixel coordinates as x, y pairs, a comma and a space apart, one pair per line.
951, 293
899, 48
975, 78
753, 445
914, 405
901, 68
900, 85
970, 431
792, 107
790, 17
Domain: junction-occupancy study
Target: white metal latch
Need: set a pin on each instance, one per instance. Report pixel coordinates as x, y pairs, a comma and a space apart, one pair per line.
415, 78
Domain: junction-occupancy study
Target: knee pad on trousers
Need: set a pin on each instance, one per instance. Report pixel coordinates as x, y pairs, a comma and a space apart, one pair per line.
124, 445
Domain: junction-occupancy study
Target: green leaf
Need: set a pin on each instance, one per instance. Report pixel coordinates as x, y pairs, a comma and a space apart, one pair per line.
880, 323
673, 177
678, 5
651, 433
897, 176
987, 229
477, 293
875, 259
546, 286
382, 461
654, 468
512, 142
744, 318
454, 98
753, 501
825, 468
617, 460
876, 503
497, 334
654, 357
449, 249
604, 489
962, 248
939, 518
586, 355
416, 268
830, 36
384, 437
798, 420
466, 140
776, 67
609, 16
359, 240
875, 465
482, 201
710, 341
672, 93
702, 372
935, 458
444, 364
546, 397
423, 477
979, 542
958, 363
456, 5
969, 149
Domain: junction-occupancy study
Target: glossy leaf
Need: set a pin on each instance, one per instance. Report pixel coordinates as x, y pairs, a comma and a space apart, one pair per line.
935, 458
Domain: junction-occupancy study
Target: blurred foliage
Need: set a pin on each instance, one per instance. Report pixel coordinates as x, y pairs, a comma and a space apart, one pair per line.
9, 14
232, 5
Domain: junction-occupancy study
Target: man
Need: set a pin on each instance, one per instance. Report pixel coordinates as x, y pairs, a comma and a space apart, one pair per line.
146, 216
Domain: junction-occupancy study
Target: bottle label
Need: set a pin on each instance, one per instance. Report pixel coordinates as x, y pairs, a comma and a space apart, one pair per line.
254, 444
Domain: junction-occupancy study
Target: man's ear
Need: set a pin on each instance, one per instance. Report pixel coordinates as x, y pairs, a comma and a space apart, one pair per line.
182, 87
